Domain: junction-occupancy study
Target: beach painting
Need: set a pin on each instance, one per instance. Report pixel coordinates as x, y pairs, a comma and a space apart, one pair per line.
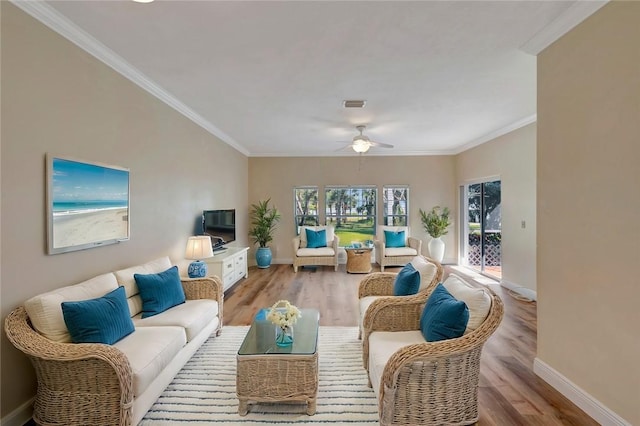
88, 204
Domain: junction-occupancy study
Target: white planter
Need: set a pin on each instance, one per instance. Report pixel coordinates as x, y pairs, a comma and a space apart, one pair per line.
436, 249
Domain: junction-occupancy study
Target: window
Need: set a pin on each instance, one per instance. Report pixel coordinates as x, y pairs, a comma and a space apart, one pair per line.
352, 211
305, 206
396, 205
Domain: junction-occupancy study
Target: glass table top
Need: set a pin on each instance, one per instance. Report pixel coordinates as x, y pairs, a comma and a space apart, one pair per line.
261, 337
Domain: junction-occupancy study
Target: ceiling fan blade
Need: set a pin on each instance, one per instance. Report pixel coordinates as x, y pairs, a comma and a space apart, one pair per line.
380, 144
344, 148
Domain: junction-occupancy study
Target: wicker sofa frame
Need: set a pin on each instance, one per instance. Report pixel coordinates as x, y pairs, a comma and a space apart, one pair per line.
381, 284
383, 260
315, 260
431, 383
83, 384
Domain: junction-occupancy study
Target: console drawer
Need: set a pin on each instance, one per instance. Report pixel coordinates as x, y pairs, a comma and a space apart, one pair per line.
227, 266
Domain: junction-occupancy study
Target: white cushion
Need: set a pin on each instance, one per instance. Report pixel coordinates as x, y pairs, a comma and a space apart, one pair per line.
477, 299
125, 279
303, 234
382, 228
45, 310
135, 304
426, 269
193, 316
400, 251
365, 302
315, 252
149, 350
383, 344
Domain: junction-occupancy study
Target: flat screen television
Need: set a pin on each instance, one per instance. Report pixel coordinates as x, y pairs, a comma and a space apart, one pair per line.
220, 225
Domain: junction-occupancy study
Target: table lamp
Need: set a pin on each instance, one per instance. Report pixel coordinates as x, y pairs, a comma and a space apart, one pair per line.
198, 247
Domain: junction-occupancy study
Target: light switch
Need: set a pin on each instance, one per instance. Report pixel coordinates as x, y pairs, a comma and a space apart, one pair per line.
523, 224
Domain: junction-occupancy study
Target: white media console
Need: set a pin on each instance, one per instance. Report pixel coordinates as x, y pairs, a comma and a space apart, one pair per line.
229, 264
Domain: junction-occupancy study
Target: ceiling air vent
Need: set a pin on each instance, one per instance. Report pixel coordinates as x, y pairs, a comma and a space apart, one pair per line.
354, 104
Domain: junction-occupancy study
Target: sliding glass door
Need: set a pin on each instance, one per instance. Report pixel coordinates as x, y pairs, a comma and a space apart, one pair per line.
482, 222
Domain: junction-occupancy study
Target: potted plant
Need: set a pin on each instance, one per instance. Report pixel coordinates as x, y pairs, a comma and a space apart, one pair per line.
435, 223
264, 219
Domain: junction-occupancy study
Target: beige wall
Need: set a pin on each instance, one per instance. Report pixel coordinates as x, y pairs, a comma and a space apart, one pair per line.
57, 98
588, 204
512, 159
431, 181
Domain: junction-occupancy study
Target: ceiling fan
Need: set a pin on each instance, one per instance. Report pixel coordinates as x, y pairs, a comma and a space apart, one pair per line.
362, 143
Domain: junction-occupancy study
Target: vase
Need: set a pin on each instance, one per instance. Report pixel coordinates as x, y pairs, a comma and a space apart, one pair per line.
263, 257
284, 336
197, 269
436, 249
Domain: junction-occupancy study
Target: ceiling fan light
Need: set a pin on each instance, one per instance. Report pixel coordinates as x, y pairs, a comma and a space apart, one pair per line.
360, 146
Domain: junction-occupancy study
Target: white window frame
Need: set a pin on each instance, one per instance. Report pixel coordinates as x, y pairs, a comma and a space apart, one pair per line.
296, 216
387, 212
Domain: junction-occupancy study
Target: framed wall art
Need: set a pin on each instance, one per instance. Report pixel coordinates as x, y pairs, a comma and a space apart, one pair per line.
87, 204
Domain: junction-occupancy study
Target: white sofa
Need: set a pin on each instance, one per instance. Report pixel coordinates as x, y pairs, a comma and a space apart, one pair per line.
100, 384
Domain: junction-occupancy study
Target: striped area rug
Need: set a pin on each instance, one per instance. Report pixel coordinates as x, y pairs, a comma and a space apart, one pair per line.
204, 391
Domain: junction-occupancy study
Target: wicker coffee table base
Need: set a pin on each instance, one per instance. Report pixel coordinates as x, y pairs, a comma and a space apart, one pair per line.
277, 378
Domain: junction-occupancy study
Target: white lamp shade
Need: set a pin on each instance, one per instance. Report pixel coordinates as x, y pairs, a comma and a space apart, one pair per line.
199, 247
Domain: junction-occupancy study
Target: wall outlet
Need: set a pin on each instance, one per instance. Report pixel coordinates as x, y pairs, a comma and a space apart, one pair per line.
523, 224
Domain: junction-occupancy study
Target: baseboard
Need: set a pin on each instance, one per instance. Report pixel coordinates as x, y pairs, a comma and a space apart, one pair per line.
289, 261
523, 291
594, 408
20, 415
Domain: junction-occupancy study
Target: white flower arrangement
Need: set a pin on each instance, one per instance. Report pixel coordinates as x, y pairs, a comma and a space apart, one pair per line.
283, 314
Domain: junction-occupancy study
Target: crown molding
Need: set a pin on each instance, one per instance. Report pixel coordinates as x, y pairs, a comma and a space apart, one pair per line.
67, 29
386, 153
497, 133
575, 14
44, 13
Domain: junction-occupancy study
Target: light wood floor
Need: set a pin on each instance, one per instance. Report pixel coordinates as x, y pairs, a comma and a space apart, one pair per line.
510, 393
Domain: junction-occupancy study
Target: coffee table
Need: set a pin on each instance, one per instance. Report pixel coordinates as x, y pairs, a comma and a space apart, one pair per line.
358, 260
269, 373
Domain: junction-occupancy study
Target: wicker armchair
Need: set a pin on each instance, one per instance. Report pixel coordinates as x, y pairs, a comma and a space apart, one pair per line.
397, 256
83, 384
379, 285
322, 256
430, 383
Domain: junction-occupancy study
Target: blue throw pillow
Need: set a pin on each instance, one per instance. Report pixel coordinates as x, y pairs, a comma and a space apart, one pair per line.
444, 316
160, 292
394, 239
102, 320
316, 239
407, 281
